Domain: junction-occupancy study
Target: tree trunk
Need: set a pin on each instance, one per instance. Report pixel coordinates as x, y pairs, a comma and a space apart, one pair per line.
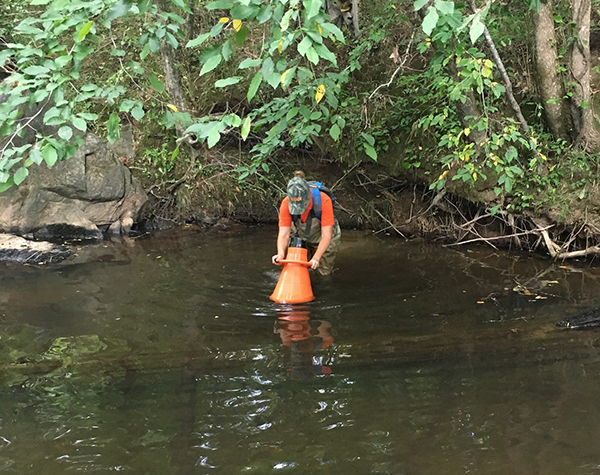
174, 87
551, 90
581, 100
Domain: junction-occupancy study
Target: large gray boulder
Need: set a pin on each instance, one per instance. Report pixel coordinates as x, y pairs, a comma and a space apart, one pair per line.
75, 199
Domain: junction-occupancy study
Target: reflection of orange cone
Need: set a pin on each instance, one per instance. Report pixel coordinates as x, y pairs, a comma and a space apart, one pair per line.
294, 282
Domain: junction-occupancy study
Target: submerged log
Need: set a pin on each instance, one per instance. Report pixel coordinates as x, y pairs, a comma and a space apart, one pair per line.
581, 320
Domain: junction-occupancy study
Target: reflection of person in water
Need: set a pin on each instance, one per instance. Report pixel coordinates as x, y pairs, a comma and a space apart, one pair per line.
304, 337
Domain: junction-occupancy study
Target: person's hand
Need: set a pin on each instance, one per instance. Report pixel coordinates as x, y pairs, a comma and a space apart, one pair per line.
276, 258
314, 263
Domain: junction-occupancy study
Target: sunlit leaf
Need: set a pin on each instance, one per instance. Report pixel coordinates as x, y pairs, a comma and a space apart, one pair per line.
228, 81
246, 128
211, 64
85, 30
320, 93
254, 85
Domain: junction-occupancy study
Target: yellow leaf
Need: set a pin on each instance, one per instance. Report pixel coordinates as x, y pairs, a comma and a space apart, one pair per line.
474, 176
279, 46
224, 20
319, 29
283, 77
320, 93
467, 131
237, 25
443, 175
172, 107
480, 301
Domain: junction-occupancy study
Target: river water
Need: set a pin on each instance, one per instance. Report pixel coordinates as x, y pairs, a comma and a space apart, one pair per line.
164, 355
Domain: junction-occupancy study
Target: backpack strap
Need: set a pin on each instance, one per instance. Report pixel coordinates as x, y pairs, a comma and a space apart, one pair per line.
316, 196
296, 219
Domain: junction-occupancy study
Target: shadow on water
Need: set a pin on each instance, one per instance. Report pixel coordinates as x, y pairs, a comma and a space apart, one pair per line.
164, 355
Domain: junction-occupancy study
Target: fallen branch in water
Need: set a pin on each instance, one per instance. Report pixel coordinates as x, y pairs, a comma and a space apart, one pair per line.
495, 238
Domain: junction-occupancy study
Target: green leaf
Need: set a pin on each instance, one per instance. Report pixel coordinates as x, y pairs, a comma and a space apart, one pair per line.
370, 151
476, 29
249, 63
254, 85
144, 5
36, 156
228, 81
420, 4
217, 29
79, 123
430, 21
220, 5
65, 133
368, 138
332, 29
226, 50
242, 12
137, 112
85, 30
326, 54
36, 70
6, 185
20, 175
180, 3
112, 127
197, 41
335, 132
213, 137
312, 7
146, 51
444, 7
304, 45
156, 84
49, 154
241, 35
264, 14
171, 40
285, 21
246, 128
312, 55
293, 112
210, 64
118, 9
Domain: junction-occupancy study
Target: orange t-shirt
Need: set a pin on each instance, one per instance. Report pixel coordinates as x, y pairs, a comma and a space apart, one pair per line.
285, 218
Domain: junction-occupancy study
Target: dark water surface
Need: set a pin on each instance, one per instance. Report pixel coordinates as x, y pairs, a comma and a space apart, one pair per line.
163, 355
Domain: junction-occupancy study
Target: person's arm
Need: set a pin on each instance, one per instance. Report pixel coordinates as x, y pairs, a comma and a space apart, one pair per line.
283, 239
326, 235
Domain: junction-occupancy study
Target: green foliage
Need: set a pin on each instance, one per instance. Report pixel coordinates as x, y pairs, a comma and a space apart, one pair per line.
296, 80
160, 164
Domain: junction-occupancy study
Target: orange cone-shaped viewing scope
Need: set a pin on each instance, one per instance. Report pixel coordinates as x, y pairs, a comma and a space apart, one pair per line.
294, 282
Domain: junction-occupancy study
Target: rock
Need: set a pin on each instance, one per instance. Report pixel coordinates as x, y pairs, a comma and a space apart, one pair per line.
17, 249
75, 198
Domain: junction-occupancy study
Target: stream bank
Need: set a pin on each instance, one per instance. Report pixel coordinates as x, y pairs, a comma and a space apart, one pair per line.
371, 196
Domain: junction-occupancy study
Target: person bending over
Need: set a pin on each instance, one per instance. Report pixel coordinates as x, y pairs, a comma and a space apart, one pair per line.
307, 212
